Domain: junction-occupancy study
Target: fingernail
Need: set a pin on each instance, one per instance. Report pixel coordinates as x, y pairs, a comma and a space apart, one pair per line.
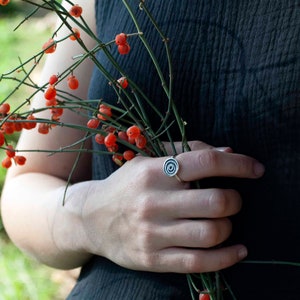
259, 169
224, 149
242, 252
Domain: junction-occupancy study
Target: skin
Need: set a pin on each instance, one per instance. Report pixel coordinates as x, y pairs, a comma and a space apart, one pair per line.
137, 217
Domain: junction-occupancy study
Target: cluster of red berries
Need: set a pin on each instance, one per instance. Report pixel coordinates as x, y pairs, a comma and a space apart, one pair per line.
121, 41
51, 100
110, 136
13, 123
11, 156
132, 135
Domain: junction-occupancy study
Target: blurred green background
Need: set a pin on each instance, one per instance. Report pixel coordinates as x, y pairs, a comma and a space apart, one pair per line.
22, 278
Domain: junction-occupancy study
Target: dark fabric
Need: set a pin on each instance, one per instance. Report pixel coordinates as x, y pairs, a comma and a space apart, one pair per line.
236, 75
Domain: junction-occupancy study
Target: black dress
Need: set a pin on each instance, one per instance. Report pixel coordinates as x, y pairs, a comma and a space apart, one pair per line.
236, 68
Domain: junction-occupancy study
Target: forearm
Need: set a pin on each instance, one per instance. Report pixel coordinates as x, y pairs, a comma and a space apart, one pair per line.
37, 221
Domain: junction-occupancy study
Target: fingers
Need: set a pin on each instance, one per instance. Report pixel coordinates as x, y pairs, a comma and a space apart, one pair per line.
203, 233
195, 260
195, 203
196, 165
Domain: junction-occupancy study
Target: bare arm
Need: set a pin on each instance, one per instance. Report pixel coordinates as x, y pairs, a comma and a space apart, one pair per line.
32, 196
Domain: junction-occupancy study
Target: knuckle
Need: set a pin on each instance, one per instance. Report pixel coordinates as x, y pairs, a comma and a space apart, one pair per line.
197, 145
218, 203
224, 203
145, 237
145, 207
208, 158
215, 232
149, 260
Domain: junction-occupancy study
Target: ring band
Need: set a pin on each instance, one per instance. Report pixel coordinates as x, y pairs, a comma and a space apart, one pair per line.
171, 167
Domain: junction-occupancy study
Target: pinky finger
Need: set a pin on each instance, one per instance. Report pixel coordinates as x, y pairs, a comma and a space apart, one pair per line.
183, 260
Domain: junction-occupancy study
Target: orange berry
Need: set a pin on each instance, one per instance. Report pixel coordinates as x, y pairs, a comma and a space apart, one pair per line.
4, 108
104, 112
51, 102
99, 138
8, 128
53, 79
4, 2
6, 162
141, 141
20, 160
49, 46
43, 128
30, 125
10, 152
56, 112
123, 82
124, 49
50, 93
133, 132
18, 125
75, 35
110, 140
204, 296
2, 139
93, 123
75, 11
121, 38
123, 135
128, 155
73, 82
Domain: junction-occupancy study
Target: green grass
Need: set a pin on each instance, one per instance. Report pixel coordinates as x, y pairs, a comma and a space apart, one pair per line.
21, 277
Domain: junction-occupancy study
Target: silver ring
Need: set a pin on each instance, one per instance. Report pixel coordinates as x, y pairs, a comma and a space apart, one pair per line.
171, 167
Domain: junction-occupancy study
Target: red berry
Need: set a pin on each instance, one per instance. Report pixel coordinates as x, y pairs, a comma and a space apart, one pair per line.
10, 152
49, 46
56, 112
204, 296
51, 102
93, 123
75, 11
124, 49
73, 82
121, 39
6, 162
110, 140
122, 135
128, 155
140, 141
2, 139
50, 93
99, 138
30, 125
123, 82
4, 2
133, 132
75, 35
4, 108
20, 160
53, 79
104, 112
43, 128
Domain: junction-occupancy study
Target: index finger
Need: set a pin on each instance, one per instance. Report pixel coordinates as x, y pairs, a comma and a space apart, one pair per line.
205, 163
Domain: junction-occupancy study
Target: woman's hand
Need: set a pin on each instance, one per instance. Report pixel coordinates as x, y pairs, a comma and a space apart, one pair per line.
142, 219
